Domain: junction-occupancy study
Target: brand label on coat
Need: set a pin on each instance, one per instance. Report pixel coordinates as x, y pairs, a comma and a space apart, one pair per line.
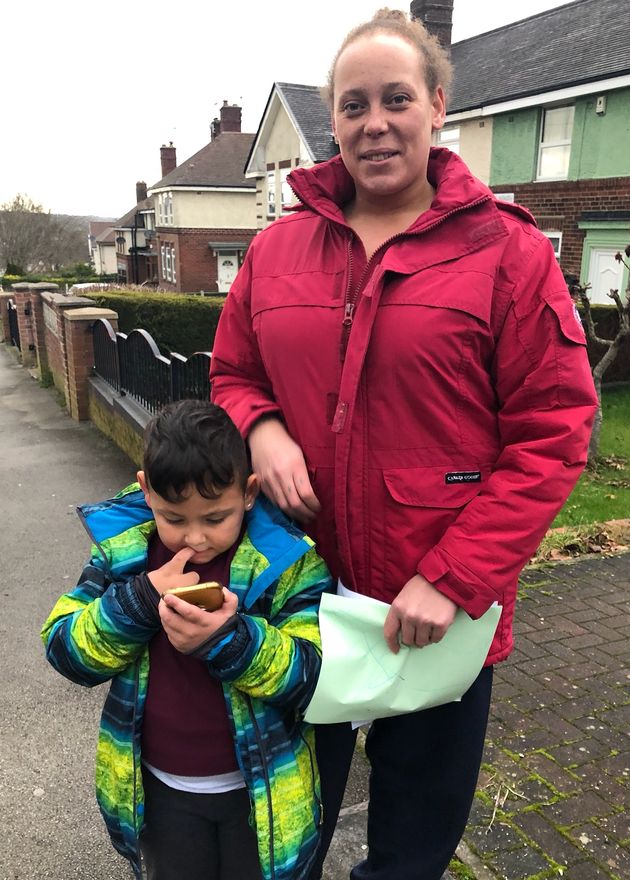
463, 477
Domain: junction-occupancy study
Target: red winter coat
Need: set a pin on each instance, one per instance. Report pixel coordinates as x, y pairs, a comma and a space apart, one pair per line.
458, 422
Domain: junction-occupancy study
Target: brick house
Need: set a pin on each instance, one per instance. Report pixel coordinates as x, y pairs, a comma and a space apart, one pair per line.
294, 130
205, 211
540, 110
136, 261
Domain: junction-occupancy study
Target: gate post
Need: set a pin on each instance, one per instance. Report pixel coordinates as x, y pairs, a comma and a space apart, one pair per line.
80, 356
22, 298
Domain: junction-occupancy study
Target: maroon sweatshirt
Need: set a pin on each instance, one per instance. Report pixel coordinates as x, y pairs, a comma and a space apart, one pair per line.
186, 730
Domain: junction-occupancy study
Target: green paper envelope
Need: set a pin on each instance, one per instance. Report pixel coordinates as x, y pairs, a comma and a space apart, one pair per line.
360, 678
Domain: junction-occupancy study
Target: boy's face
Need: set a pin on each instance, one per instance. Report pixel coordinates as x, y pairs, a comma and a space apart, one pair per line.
208, 526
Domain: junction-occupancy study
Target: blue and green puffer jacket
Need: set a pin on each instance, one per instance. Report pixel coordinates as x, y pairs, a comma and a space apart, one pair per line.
268, 663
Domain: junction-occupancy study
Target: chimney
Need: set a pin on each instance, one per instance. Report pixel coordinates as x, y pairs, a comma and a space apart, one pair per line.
168, 158
230, 117
215, 128
436, 16
141, 191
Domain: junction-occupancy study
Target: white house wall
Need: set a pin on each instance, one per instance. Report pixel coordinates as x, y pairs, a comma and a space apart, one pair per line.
213, 210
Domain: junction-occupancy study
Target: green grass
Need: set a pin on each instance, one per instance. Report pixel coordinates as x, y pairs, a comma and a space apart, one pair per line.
603, 492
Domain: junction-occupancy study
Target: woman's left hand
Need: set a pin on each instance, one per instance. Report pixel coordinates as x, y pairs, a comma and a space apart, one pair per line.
188, 626
420, 615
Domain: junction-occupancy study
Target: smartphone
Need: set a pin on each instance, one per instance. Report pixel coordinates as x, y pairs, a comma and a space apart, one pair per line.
208, 596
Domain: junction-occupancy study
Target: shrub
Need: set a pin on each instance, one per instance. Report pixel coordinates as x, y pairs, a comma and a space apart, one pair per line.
606, 320
177, 322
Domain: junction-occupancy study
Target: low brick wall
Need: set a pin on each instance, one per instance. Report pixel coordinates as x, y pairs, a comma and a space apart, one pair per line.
119, 418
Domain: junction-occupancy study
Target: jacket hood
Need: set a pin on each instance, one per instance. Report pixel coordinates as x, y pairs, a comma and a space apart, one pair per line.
107, 520
327, 187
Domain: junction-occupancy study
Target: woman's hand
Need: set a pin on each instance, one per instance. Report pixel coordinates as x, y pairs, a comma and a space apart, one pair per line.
280, 466
188, 626
420, 615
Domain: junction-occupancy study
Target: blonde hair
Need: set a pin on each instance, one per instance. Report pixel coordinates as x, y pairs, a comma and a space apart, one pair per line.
438, 70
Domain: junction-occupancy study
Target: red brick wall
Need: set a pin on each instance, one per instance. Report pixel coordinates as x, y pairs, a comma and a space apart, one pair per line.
55, 343
196, 262
558, 206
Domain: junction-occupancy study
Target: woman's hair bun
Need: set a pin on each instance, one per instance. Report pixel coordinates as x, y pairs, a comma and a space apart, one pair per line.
387, 14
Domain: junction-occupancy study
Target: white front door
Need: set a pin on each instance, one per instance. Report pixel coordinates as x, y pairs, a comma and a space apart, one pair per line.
227, 268
604, 274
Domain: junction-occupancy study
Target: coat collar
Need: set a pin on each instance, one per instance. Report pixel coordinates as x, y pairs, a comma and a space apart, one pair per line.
327, 187
278, 540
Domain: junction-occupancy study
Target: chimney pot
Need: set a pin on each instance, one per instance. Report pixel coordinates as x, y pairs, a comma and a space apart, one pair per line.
168, 158
141, 191
230, 118
436, 16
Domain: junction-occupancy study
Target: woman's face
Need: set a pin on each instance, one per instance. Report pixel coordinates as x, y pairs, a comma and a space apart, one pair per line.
383, 116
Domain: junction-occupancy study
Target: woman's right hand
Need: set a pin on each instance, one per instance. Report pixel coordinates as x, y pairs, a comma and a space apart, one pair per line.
279, 464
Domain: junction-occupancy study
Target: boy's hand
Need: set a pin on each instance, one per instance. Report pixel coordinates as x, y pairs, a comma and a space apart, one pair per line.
188, 626
171, 574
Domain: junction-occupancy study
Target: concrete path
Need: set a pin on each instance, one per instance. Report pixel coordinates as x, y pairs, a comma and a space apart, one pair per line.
554, 796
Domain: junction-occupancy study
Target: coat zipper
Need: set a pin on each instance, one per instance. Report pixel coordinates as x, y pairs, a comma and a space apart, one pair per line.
135, 764
350, 298
265, 769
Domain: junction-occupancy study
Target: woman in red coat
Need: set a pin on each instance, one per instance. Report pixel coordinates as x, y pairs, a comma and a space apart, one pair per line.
403, 356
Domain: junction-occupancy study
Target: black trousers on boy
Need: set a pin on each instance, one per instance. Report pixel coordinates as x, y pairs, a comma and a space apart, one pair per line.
424, 770
197, 836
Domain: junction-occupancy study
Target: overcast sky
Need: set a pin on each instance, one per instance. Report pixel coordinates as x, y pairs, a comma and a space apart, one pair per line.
90, 91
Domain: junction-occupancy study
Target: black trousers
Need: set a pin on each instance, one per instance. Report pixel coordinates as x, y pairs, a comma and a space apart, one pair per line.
424, 770
197, 836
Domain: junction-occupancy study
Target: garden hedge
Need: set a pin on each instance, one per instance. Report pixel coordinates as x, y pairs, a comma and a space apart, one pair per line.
182, 323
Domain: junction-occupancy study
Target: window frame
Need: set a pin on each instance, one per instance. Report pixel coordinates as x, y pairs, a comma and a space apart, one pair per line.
554, 234
548, 145
454, 144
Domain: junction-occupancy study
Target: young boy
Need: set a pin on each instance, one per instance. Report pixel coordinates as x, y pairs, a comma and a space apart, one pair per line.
204, 763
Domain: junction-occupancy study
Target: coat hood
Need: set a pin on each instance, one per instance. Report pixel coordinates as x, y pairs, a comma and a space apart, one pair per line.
127, 515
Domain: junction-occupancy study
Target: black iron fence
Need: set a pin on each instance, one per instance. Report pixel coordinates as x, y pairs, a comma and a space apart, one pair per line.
132, 365
14, 329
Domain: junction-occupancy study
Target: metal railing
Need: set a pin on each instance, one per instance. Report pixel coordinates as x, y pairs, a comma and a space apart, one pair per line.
14, 329
132, 365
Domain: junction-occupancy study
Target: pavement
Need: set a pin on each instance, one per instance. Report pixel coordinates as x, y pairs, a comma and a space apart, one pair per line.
554, 795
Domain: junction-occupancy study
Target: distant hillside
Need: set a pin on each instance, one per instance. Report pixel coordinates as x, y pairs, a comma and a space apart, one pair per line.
39, 242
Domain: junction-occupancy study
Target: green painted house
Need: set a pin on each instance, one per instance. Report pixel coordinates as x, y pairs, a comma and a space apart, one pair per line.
540, 110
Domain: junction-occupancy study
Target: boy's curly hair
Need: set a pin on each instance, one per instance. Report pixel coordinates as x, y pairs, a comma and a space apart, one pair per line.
193, 443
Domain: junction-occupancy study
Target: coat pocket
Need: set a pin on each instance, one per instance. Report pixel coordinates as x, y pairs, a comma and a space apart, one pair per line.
446, 486
419, 504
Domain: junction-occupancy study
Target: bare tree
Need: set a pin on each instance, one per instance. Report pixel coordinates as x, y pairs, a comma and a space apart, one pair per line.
38, 241
613, 346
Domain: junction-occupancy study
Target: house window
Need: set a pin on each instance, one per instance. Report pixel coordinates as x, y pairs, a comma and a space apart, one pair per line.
167, 273
271, 193
449, 137
163, 260
556, 240
173, 268
165, 209
555, 143
287, 193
